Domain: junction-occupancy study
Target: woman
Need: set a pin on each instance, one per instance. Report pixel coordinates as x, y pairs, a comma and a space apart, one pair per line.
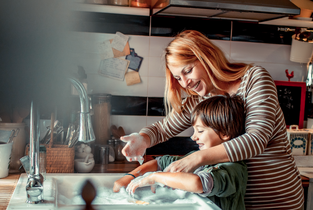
198, 68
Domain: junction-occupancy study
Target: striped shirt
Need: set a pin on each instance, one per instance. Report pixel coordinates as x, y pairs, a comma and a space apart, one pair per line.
273, 179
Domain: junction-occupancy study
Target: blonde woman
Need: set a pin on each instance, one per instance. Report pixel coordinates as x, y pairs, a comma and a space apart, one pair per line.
196, 67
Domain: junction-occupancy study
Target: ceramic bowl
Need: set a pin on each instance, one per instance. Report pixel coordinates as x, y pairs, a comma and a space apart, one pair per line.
82, 167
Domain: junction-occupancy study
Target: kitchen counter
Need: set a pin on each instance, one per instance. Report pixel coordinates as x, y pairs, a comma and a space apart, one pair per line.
8, 184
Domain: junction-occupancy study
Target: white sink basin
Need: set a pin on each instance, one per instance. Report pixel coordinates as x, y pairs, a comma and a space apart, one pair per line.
62, 191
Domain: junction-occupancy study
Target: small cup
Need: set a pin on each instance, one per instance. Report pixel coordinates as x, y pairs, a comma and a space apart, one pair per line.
104, 155
5, 158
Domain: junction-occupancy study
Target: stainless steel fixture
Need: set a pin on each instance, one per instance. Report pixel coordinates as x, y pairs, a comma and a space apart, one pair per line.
86, 133
252, 10
34, 186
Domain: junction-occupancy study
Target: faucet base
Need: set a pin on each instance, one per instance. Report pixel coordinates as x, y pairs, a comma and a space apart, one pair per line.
34, 190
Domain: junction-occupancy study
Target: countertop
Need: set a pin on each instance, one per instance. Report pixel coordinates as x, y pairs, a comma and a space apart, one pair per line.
8, 184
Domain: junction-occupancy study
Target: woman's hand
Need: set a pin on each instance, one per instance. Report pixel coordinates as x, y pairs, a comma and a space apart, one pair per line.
122, 182
187, 164
136, 146
142, 181
190, 163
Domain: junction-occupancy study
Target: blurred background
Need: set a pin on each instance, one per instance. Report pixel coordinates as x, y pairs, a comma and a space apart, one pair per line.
34, 54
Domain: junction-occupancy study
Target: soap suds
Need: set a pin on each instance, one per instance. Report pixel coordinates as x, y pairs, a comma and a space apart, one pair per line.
142, 195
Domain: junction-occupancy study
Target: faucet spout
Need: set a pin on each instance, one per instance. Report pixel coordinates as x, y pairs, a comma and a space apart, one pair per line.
86, 133
34, 187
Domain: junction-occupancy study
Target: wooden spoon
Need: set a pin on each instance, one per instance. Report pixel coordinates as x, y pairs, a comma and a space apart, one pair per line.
121, 131
115, 132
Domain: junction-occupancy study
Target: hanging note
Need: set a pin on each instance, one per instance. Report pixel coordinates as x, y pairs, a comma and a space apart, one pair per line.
114, 68
132, 77
119, 41
106, 50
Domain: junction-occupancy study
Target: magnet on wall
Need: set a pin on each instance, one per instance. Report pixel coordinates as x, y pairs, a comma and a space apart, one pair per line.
135, 60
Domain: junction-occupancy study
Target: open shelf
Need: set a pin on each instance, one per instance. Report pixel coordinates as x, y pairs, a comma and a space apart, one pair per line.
124, 10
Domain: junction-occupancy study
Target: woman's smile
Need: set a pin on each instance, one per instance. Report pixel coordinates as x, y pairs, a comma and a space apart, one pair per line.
193, 77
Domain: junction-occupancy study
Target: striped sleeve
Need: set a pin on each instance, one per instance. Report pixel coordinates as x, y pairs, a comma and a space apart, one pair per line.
172, 125
261, 104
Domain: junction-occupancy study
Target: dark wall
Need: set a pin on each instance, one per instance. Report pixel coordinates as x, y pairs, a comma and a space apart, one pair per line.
34, 52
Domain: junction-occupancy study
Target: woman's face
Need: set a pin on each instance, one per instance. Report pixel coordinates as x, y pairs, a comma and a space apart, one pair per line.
193, 77
205, 136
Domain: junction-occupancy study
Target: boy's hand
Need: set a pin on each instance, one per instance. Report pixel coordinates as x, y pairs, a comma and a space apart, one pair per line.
142, 181
122, 182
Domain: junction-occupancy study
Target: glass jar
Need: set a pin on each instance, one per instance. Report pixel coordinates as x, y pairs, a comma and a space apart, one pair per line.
119, 145
112, 149
42, 161
102, 114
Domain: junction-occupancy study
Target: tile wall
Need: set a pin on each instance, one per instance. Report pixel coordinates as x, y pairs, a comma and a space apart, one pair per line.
270, 50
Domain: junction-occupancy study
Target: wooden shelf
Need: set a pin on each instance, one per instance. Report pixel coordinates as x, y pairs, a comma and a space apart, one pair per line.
123, 10
285, 21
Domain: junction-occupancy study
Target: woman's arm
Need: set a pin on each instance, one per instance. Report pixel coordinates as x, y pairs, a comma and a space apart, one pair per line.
199, 158
172, 124
125, 180
184, 181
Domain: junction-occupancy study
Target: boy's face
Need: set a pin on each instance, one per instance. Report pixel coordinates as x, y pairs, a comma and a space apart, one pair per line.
205, 136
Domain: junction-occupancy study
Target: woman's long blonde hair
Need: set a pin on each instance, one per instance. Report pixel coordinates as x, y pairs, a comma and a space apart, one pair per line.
188, 47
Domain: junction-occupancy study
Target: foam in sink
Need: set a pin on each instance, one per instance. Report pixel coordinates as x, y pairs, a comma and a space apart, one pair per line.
63, 191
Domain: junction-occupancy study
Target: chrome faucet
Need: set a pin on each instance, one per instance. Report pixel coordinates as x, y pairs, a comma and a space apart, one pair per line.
34, 186
86, 133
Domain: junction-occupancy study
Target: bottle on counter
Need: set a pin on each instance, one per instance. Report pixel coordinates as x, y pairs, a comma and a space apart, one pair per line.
112, 149
119, 145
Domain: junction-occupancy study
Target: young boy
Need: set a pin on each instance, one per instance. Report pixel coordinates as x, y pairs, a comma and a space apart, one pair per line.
215, 120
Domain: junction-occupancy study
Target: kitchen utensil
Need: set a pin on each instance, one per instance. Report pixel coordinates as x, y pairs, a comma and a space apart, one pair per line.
114, 132
121, 131
13, 135
25, 163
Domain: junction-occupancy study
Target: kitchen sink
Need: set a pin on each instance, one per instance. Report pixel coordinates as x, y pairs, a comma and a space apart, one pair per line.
63, 191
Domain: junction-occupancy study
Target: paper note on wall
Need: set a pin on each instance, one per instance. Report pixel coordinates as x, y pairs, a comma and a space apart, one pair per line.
114, 68
119, 41
132, 77
106, 50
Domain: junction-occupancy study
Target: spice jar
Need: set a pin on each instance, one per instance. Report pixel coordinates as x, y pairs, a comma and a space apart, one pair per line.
112, 149
119, 145
102, 115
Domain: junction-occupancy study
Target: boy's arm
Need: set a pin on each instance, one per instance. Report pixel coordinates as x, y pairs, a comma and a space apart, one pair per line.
140, 170
184, 181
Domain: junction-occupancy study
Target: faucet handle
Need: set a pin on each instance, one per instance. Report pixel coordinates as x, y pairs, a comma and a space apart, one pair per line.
34, 189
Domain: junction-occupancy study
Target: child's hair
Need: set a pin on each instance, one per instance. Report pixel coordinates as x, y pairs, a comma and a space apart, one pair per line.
225, 114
